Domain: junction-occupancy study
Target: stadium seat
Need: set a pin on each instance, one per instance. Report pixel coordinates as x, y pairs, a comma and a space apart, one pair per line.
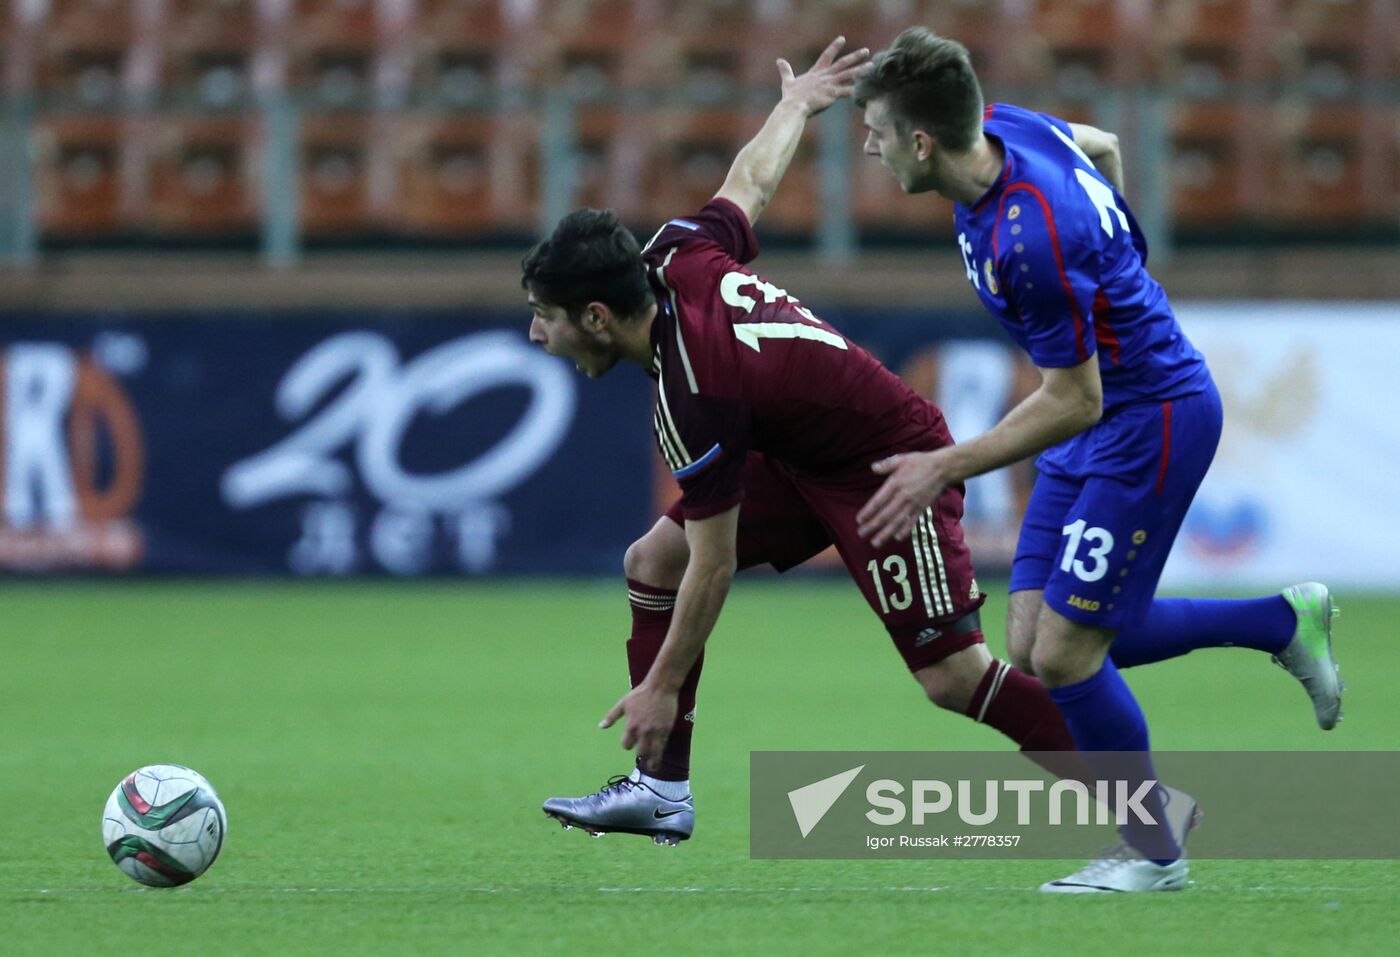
89, 23
453, 178
457, 50
77, 179
580, 45
980, 25
601, 134
88, 72
337, 156
1203, 46
337, 76
1206, 166
710, 50
207, 51
334, 22
688, 155
1316, 173
202, 175
1078, 48
1330, 48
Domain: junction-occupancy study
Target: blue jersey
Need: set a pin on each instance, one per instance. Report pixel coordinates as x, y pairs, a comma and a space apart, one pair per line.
1057, 257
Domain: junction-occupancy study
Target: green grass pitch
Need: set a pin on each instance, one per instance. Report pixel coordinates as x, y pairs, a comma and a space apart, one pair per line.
383, 749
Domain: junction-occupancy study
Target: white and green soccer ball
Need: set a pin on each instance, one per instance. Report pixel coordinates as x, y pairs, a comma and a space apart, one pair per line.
164, 825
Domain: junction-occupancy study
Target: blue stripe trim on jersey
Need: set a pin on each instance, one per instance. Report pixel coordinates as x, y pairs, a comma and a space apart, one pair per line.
682, 222
699, 463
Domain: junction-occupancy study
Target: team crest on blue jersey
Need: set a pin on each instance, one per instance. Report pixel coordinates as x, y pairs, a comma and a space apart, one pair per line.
991, 275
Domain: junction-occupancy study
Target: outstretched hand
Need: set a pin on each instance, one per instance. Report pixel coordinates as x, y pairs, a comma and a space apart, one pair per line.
829, 79
914, 480
650, 717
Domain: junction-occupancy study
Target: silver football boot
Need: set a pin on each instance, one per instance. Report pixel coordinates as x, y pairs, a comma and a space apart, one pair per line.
1122, 869
1308, 657
627, 807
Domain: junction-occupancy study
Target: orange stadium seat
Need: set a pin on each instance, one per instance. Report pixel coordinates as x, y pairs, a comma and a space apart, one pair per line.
687, 158
77, 182
332, 48
1316, 173
1331, 46
581, 45
339, 74
457, 49
452, 178
707, 49
1206, 168
337, 155
88, 72
89, 23
334, 22
1078, 47
204, 23
602, 134
979, 25
202, 174
207, 49
1204, 45
689, 152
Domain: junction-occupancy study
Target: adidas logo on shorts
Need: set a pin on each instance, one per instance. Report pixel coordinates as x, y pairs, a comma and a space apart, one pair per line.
925, 636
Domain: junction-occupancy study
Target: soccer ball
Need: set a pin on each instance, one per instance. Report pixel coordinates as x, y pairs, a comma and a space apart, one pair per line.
163, 825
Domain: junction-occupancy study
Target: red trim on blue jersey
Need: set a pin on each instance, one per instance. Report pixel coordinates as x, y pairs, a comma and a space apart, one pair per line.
1059, 260
1166, 445
1103, 332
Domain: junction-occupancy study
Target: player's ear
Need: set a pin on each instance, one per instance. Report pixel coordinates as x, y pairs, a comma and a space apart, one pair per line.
923, 145
595, 317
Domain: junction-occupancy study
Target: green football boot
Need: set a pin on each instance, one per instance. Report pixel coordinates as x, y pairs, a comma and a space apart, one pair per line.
1308, 656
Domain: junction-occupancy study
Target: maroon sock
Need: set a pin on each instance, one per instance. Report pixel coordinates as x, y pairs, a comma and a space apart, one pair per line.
1019, 707
651, 619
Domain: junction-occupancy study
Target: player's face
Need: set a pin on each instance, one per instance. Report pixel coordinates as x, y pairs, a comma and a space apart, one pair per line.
591, 352
895, 150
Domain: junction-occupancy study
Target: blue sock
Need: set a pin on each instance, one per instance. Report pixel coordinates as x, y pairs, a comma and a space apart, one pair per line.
1103, 715
1176, 626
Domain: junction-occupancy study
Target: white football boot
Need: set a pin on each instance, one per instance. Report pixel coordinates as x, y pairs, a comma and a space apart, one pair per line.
626, 806
1308, 656
1123, 870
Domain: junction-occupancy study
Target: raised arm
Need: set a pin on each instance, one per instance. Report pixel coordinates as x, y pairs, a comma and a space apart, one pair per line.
1101, 147
760, 165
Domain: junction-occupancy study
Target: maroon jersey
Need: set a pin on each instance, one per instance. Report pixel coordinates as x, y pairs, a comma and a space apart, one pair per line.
743, 366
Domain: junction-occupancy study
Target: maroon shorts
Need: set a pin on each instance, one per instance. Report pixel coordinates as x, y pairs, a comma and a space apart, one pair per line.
922, 588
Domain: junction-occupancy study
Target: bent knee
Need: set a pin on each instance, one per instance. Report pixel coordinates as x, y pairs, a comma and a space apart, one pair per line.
952, 683
659, 557
1019, 651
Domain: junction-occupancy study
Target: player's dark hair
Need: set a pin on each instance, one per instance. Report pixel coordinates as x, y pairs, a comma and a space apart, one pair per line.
930, 84
590, 257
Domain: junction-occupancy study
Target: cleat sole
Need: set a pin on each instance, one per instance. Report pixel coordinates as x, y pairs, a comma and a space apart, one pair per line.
662, 838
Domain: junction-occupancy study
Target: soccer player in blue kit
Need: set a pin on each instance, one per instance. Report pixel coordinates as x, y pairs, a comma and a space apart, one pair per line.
1126, 421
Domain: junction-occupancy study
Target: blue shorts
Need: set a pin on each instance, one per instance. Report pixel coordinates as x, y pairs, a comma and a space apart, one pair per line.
1096, 535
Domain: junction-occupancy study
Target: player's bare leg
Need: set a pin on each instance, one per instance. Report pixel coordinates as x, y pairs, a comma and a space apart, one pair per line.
656, 804
1022, 613
952, 682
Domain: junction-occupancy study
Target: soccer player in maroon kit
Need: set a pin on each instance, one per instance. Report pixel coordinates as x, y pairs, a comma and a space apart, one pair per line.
770, 420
